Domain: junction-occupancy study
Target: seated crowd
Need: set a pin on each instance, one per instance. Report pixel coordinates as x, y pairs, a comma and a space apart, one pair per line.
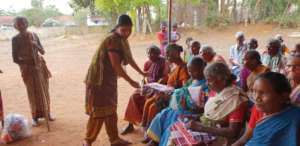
251, 100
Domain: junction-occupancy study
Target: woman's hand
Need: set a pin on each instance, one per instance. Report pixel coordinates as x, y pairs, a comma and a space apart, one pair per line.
134, 84
145, 74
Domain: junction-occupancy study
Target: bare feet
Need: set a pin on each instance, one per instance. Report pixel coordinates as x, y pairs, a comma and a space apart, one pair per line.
128, 129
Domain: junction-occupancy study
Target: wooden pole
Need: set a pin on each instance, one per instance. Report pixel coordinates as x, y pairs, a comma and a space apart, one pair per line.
169, 20
39, 76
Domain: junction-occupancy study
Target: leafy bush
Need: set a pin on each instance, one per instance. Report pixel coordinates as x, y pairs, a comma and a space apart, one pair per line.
215, 20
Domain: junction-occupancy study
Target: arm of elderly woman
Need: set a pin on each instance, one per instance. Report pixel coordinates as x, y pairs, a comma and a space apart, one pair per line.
232, 131
235, 120
116, 64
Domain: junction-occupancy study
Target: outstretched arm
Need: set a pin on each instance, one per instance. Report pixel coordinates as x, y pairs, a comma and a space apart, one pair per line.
136, 67
230, 132
116, 64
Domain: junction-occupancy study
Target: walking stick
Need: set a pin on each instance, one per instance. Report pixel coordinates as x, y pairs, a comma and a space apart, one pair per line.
39, 76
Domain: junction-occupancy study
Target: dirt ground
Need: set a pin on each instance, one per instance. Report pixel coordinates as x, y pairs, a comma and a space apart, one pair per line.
68, 59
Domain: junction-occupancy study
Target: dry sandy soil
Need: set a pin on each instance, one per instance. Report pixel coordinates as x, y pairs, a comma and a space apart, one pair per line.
68, 59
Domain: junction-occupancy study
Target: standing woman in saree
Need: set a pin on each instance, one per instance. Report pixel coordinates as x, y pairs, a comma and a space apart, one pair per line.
101, 82
24, 46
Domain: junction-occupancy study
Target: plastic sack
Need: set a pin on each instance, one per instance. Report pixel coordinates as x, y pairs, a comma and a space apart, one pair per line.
16, 127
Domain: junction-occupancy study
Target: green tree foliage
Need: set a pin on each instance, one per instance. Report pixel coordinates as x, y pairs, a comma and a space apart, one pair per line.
113, 7
77, 5
275, 11
81, 16
36, 16
37, 3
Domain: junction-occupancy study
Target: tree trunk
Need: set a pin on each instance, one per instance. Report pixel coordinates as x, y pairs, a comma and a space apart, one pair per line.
234, 11
222, 7
139, 20
147, 20
256, 11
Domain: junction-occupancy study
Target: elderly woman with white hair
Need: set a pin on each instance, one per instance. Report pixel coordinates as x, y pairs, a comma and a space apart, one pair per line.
226, 109
210, 56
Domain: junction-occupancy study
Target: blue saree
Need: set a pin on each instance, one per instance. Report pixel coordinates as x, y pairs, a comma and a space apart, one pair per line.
159, 127
282, 129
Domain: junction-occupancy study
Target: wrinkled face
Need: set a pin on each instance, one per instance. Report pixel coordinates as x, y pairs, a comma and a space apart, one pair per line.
124, 31
207, 57
21, 25
293, 70
153, 56
249, 63
215, 84
240, 40
266, 99
173, 55
196, 72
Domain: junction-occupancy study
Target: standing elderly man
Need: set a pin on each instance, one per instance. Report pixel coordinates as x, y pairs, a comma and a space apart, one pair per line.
237, 52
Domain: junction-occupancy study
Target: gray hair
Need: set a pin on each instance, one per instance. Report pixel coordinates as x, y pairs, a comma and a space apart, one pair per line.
208, 49
218, 71
239, 34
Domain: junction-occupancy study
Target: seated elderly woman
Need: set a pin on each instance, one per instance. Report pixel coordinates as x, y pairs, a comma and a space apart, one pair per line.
184, 102
225, 111
272, 58
252, 62
157, 68
280, 124
293, 75
176, 79
210, 56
